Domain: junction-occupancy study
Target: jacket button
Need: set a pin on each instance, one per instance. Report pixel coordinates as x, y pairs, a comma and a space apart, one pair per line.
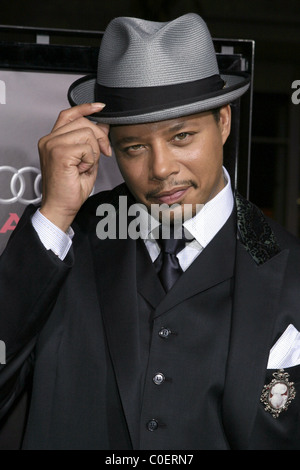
152, 425
164, 332
159, 378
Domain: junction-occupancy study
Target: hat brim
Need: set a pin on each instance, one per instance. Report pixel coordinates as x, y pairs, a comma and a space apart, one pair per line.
83, 91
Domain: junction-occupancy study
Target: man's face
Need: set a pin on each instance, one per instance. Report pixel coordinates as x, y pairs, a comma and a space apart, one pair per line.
178, 161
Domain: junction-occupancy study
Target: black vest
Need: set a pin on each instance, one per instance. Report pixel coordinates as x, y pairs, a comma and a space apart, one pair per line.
184, 340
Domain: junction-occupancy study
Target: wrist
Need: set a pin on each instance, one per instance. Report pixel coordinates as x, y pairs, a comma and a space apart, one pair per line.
61, 220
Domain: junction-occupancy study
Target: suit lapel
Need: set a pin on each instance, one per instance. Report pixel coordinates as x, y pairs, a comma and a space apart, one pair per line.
115, 273
115, 268
259, 273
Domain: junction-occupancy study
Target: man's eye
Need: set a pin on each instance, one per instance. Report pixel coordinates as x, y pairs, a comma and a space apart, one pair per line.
134, 148
181, 136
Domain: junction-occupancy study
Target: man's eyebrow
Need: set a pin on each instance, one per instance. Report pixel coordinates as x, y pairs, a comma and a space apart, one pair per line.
177, 127
126, 140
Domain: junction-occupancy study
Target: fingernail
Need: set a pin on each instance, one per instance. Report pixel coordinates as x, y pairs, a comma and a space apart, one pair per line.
98, 105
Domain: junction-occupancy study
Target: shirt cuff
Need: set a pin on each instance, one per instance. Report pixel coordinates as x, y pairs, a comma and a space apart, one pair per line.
51, 236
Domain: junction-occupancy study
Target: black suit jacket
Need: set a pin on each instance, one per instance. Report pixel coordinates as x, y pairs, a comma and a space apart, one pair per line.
72, 325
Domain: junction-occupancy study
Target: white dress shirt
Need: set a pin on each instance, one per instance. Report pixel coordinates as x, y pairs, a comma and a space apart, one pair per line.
203, 227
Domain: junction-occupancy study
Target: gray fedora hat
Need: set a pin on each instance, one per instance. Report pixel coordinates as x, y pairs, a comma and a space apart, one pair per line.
151, 71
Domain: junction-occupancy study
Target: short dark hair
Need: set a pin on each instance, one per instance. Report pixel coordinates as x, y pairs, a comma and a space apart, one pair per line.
216, 114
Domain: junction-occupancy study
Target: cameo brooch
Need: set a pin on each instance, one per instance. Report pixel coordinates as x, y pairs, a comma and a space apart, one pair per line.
278, 394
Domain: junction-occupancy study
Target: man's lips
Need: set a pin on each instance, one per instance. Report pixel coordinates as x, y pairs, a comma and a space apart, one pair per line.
172, 196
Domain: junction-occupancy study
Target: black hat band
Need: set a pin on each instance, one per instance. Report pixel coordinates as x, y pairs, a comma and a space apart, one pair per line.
136, 100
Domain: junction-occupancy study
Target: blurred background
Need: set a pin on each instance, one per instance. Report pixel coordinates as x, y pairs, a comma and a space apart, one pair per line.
275, 27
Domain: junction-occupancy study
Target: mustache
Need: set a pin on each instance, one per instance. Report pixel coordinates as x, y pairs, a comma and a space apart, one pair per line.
169, 187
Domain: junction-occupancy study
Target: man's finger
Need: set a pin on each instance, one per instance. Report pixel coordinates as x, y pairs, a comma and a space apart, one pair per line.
83, 129
76, 112
105, 147
68, 139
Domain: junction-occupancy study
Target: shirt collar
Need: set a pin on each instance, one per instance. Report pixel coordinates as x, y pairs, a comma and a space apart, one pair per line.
213, 215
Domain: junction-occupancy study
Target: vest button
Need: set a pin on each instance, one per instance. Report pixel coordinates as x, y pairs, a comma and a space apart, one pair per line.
164, 332
152, 425
159, 378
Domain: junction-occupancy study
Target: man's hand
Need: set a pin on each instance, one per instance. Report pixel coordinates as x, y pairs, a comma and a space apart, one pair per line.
69, 158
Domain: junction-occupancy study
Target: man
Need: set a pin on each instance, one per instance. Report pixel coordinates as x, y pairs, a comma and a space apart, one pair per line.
132, 342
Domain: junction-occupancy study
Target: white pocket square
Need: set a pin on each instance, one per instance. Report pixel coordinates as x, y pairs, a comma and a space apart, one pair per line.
286, 351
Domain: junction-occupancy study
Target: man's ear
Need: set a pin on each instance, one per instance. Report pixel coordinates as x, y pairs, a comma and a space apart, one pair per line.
225, 122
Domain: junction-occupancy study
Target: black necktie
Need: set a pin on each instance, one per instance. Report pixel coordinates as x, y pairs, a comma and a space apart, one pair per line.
167, 265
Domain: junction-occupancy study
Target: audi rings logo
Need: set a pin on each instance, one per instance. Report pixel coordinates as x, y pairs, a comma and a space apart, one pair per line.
18, 183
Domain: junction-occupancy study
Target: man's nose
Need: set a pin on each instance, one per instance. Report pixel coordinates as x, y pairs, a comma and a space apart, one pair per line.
162, 162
